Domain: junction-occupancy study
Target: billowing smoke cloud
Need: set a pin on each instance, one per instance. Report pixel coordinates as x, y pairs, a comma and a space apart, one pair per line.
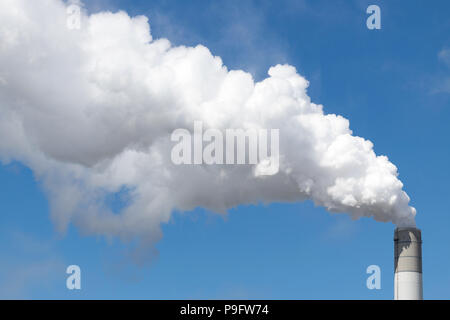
91, 112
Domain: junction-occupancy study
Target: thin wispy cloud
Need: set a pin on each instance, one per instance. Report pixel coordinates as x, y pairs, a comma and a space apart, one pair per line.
30, 265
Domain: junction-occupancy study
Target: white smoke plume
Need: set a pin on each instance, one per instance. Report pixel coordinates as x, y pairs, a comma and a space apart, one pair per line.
91, 112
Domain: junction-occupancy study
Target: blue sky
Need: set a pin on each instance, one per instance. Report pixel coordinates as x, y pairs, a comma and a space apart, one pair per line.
392, 84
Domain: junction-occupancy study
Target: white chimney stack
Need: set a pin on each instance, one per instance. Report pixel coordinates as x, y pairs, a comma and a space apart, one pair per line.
408, 264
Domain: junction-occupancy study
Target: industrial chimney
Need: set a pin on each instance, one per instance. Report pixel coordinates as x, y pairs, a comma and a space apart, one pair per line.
408, 264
